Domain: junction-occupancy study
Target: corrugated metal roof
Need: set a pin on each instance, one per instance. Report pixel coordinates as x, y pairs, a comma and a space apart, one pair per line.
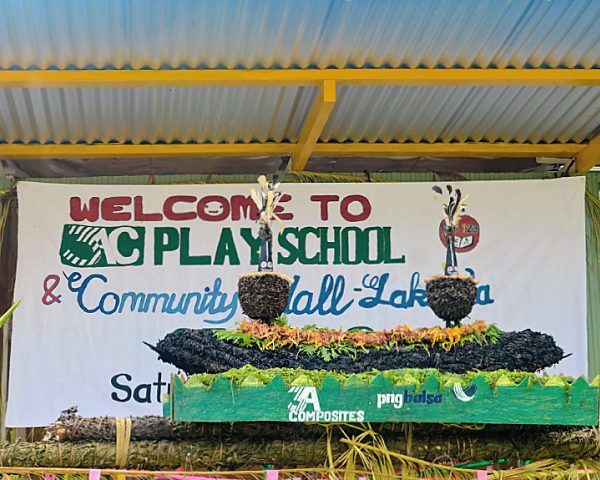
462, 114
135, 34
361, 114
299, 34
187, 115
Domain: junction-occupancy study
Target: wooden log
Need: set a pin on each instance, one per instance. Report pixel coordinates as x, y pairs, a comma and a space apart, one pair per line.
225, 454
232, 451
103, 429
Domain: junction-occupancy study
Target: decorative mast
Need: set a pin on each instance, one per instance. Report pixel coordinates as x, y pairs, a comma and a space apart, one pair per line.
266, 200
453, 210
451, 296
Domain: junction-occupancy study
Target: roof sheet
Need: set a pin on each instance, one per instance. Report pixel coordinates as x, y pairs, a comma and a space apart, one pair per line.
299, 34
361, 114
188, 115
463, 114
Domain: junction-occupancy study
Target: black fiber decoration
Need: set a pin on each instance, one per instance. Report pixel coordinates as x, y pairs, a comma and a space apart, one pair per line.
451, 298
263, 296
199, 351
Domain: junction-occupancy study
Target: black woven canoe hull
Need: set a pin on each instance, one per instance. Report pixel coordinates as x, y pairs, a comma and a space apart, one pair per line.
199, 351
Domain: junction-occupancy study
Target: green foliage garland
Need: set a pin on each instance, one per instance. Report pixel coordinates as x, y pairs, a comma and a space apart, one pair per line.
332, 351
249, 376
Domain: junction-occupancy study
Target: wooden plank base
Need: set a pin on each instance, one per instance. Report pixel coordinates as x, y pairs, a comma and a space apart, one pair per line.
382, 401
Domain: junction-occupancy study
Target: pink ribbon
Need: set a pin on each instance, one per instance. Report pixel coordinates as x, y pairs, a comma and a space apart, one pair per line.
187, 477
269, 475
94, 474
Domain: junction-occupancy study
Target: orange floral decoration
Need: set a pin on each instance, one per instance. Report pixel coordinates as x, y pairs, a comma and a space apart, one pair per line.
324, 337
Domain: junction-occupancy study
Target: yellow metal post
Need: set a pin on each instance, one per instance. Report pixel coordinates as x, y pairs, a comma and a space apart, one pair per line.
314, 124
589, 156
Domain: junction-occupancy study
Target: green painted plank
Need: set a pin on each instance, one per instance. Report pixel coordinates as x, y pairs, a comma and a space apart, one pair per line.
381, 401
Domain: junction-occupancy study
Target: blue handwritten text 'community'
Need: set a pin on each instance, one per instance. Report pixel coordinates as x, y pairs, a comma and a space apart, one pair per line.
216, 306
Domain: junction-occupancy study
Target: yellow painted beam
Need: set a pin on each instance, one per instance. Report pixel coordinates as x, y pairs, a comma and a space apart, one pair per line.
23, 152
588, 157
298, 77
446, 150
313, 126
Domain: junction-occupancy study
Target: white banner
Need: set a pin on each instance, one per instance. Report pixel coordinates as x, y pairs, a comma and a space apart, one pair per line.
103, 268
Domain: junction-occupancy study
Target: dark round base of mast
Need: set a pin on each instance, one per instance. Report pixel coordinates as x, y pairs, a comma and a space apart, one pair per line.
451, 297
264, 295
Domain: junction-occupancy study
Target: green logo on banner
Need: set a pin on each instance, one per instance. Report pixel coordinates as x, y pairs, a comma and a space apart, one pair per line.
90, 246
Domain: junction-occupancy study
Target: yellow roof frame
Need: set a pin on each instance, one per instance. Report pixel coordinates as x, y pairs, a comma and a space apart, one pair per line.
297, 77
586, 155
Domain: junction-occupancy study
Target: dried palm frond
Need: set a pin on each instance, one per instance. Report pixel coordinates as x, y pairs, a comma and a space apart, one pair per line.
550, 469
315, 177
266, 198
367, 451
454, 207
592, 206
453, 211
